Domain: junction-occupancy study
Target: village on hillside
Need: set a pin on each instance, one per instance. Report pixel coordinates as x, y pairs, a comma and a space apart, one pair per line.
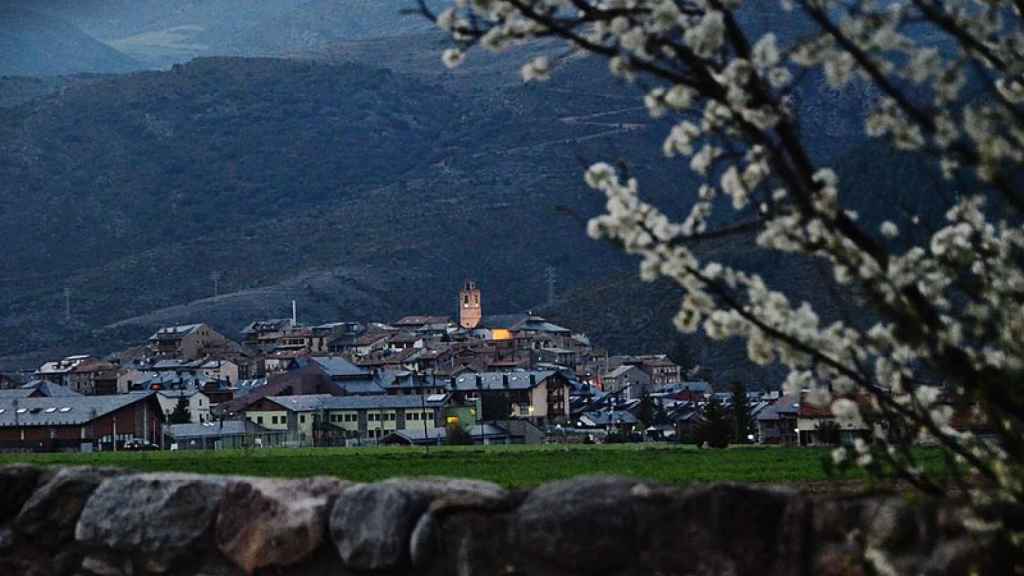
420, 380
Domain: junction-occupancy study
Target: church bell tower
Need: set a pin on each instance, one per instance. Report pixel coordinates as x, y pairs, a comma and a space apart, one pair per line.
470, 311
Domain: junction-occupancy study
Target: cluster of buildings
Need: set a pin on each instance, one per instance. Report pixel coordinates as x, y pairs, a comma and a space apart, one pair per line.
495, 378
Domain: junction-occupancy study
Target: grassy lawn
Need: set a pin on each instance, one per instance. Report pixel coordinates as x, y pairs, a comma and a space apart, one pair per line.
511, 466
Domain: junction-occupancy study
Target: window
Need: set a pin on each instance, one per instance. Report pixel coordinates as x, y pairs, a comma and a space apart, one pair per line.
259, 419
414, 416
273, 419
302, 418
391, 416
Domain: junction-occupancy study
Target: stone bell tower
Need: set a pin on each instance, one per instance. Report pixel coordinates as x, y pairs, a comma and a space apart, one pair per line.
470, 311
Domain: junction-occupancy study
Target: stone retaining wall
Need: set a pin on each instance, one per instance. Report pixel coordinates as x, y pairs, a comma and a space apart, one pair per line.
101, 522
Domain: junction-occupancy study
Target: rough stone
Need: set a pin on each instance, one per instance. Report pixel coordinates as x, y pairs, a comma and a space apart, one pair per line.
423, 540
103, 566
17, 483
181, 525
583, 526
371, 525
453, 491
158, 516
54, 509
267, 523
723, 529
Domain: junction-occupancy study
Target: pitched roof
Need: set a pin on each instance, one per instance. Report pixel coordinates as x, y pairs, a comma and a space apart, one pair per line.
502, 380
180, 393
788, 404
171, 332
422, 320
49, 389
506, 321
398, 380
604, 417
300, 403
417, 435
271, 325
538, 324
63, 411
317, 402
338, 366
366, 387
620, 371
15, 393
213, 429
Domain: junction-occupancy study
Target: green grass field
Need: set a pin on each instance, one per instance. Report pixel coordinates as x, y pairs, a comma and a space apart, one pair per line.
511, 466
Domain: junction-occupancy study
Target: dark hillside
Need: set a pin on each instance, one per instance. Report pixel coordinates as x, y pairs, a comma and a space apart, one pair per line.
131, 190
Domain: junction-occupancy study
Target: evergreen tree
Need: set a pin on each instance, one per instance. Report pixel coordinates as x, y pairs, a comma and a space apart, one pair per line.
741, 415
647, 411
181, 413
716, 430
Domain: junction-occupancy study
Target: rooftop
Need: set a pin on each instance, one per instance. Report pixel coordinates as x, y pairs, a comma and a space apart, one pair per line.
63, 411
317, 402
502, 380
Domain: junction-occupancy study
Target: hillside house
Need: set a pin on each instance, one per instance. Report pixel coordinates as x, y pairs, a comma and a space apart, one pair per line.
817, 426
542, 397
628, 381
663, 372
264, 335
198, 403
189, 341
776, 423
83, 374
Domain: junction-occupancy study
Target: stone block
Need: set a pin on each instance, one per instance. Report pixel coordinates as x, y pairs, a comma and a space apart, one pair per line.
17, 483
159, 517
274, 523
54, 508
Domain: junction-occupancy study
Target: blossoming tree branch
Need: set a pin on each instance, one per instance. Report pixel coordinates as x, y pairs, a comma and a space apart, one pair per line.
946, 339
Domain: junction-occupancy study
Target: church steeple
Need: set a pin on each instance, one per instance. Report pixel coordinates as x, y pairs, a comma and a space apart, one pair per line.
470, 310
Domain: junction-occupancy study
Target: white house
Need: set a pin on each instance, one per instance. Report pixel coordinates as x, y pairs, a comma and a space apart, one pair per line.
198, 403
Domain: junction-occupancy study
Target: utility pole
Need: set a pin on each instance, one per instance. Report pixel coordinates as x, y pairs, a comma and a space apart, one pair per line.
423, 416
67, 303
551, 277
216, 276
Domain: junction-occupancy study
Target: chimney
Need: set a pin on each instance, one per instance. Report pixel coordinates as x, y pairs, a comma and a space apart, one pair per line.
479, 381
533, 380
295, 314
504, 380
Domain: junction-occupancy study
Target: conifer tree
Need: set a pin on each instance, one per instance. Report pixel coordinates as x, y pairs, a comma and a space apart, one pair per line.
741, 415
716, 430
181, 413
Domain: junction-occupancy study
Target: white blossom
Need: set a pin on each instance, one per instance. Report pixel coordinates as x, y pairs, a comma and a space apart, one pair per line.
932, 292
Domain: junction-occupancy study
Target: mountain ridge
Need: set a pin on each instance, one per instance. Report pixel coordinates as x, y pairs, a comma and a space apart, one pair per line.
36, 44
